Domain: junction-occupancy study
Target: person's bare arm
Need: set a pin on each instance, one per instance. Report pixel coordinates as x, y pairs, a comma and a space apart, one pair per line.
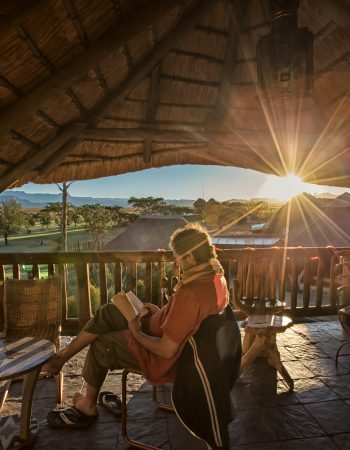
161, 346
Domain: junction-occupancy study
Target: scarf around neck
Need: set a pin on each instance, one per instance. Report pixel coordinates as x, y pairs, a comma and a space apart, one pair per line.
212, 267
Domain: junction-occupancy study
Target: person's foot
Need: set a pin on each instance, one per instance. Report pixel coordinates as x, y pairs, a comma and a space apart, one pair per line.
82, 404
54, 365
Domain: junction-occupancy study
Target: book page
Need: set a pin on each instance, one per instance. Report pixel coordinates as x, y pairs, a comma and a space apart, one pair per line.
125, 306
135, 301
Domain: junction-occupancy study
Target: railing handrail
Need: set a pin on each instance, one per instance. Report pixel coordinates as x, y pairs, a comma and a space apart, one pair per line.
320, 260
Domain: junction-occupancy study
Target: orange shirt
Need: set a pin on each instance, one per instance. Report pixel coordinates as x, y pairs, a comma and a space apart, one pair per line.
179, 319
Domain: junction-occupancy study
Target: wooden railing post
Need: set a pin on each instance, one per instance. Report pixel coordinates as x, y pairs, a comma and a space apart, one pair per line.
148, 281
83, 290
103, 284
346, 280
2, 280
117, 277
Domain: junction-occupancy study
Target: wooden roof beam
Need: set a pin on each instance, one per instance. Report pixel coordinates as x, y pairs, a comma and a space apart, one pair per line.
335, 10
115, 37
13, 13
27, 164
231, 52
237, 137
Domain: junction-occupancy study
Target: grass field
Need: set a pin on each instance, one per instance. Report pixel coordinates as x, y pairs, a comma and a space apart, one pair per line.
45, 240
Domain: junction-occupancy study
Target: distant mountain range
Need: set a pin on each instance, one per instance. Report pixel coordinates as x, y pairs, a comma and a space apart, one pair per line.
40, 200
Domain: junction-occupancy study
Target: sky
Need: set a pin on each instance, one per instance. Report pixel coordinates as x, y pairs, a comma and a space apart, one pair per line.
190, 182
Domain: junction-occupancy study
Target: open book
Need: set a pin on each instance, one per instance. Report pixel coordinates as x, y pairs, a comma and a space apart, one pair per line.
129, 305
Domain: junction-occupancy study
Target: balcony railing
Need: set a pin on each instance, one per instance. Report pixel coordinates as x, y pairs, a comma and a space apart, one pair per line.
304, 277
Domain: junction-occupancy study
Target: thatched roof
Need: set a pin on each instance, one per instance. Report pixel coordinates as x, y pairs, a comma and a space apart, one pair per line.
310, 222
343, 201
147, 233
90, 88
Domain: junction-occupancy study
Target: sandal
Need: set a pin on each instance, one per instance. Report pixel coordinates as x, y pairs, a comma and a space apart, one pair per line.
69, 418
111, 402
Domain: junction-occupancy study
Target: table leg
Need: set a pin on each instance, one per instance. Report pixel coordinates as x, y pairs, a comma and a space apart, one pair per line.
254, 351
274, 358
29, 383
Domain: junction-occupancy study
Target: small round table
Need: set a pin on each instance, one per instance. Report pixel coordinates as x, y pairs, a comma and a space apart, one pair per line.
22, 357
260, 341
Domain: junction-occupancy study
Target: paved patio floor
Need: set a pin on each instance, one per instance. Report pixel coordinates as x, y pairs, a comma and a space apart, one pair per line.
267, 416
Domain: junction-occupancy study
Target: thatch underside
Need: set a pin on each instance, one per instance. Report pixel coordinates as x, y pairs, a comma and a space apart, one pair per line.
104, 87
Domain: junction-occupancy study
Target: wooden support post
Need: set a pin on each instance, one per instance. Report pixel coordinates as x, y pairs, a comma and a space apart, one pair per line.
148, 282
16, 271
118, 271
36, 271
294, 285
103, 284
333, 282
346, 280
62, 270
2, 280
133, 276
306, 290
83, 290
51, 270
319, 283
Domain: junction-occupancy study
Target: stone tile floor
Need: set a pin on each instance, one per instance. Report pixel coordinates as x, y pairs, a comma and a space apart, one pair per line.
267, 416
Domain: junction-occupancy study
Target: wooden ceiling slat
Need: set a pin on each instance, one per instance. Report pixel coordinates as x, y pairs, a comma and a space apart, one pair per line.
72, 14
336, 10
17, 12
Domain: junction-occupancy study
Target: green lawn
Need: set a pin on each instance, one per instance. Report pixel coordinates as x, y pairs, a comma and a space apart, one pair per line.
44, 240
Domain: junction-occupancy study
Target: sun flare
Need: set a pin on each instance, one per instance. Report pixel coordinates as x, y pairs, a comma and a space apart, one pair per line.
285, 188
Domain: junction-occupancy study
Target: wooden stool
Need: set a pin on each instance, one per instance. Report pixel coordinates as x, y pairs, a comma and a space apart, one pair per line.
260, 341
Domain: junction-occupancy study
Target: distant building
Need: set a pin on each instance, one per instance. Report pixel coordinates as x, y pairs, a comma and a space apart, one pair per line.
147, 233
313, 223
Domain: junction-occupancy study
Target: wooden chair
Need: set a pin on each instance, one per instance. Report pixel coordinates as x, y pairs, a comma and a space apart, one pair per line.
33, 308
216, 348
259, 279
343, 281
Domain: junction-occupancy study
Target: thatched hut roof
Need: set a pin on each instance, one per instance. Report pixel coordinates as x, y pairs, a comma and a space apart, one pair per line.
147, 233
311, 222
90, 88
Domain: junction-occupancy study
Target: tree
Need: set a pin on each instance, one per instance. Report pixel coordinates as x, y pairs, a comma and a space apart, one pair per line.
28, 220
11, 218
74, 215
98, 219
44, 218
147, 205
64, 208
116, 214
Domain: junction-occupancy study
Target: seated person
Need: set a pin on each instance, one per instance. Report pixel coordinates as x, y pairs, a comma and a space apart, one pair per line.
152, 344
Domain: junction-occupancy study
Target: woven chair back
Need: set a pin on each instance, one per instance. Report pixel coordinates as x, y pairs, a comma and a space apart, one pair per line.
33, 308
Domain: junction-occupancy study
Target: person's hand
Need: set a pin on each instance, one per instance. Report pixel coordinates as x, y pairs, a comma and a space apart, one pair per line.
151, 309
135, 324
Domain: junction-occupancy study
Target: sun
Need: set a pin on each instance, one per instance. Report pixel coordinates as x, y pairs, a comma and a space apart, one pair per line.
285, 188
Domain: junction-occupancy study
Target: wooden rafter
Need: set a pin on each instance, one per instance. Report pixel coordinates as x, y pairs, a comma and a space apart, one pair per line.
36, 51
155, 77
238, 137
114, 38
52, 150
335, 10
72, 14
229, 62
17, 12
28, 164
